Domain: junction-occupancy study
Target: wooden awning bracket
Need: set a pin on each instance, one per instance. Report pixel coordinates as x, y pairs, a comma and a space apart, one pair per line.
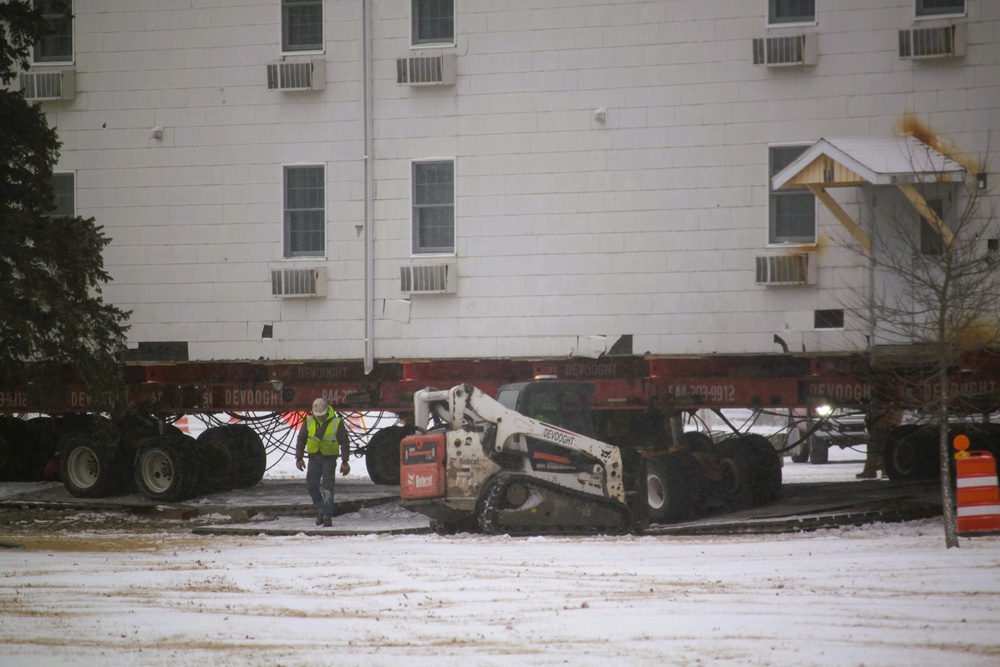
926, 212
853, 228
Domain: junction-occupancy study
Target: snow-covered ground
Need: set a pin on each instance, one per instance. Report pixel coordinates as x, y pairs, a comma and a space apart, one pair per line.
877, 595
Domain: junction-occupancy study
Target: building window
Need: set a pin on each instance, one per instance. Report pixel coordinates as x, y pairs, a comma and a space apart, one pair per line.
305, 213
57, 44
792, 213
791, 11
433, 207
64, 195
433, 21
828, 319
939, 7
301, 25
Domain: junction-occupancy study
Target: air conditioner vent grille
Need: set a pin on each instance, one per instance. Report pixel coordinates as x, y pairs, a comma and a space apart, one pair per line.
438, 70
48, 85
298, 283
298, 75
783, 269
786, 50
432, 279
941, 42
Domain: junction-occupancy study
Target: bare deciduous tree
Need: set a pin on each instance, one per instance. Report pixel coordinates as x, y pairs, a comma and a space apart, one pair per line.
933, 298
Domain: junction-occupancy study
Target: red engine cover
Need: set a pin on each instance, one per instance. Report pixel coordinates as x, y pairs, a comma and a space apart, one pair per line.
421, 464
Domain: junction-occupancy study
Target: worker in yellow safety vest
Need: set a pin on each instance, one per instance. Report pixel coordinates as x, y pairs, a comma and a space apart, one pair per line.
323, 437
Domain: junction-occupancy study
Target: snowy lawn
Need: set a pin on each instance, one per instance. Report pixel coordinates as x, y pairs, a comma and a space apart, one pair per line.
877, 595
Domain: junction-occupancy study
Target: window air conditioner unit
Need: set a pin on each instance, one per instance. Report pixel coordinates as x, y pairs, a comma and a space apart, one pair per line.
431, 279
296, 76
42, 85
786, 51
437, 70
298, 283
943, 42
785, 270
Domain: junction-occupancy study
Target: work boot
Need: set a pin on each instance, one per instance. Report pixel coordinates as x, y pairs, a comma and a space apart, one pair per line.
327, 522
319, 519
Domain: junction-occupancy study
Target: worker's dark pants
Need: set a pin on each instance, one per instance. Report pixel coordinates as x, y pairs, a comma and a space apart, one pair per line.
320, 476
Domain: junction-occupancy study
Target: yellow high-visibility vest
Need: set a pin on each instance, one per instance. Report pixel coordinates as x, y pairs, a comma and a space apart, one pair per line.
326, 442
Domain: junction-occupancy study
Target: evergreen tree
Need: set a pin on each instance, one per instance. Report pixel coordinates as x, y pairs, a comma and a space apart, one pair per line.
51, 268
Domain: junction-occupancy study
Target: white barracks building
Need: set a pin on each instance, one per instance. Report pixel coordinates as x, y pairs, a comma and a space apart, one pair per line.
488, 179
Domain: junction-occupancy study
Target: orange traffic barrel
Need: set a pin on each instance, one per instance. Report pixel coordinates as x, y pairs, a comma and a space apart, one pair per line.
977, 494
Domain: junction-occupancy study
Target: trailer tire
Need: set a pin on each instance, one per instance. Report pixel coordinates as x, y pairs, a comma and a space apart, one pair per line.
696, 441
799, 452
135, 431
165, 468
16, 450
735, 485
90, 466
382, 454
904, 456
45, 440
673, 487
819, 451
248, 455
764, 469
218, 455
27, 449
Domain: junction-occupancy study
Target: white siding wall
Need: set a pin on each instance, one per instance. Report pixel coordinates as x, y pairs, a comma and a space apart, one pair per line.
646, 224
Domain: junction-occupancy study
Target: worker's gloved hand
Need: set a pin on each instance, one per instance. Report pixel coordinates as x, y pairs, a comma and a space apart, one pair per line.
300, 464
345, 468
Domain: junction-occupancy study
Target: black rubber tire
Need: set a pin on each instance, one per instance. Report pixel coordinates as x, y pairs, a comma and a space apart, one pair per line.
166, 468
136, 430
799, 452
247, 452
819, 451
90, 466
382, 454
45, 438
17, 460
673, 487
8, 460
734, 490
219, 449
696, 441
908, 451
764, 468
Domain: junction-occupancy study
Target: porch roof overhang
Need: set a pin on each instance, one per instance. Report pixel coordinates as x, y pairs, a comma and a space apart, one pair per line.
854, 161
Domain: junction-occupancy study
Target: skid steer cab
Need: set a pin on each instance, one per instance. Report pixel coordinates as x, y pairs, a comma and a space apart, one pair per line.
480, 465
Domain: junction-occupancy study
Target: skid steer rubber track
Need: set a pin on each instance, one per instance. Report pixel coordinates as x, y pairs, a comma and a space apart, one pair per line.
523, 505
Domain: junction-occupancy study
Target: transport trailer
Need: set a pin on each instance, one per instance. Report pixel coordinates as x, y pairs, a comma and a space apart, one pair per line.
635, 402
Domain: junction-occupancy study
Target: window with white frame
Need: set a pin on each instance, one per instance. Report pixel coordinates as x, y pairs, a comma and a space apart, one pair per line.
56, 46
792, 213
305, 211
940, 7
64, 195
791, 11
433, 21
301, 25
433, 207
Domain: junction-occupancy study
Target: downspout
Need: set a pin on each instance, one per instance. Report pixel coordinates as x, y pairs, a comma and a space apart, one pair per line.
872, 269
369, 221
